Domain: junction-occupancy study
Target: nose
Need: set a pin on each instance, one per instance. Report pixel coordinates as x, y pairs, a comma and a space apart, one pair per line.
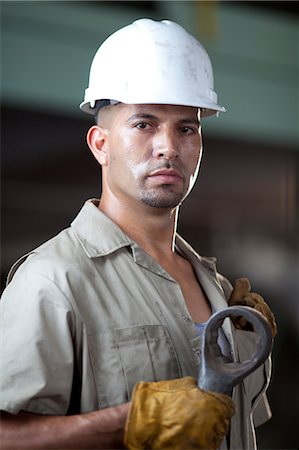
165, 145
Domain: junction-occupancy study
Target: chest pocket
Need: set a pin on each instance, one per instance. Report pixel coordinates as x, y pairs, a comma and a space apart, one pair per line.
124, 356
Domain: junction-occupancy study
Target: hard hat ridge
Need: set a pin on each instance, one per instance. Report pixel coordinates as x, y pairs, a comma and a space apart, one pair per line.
154, 62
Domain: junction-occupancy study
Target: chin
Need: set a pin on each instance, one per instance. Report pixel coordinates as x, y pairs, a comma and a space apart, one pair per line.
162, 201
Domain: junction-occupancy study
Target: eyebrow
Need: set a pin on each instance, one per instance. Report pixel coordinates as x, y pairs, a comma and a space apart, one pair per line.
186, 120
142, 116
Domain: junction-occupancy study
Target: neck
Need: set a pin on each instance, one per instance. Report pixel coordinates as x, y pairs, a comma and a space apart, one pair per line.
153, 229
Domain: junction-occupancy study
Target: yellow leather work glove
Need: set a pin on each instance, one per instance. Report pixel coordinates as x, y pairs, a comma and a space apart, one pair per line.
176, 415
241, 295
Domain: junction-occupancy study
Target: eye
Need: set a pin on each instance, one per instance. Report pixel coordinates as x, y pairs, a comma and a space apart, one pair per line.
187, 130
142, 125
190, 129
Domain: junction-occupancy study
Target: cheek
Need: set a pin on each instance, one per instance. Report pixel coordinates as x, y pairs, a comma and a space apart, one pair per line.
138, 168
194, 157
198, 159
127, 164
195, 168
136, 157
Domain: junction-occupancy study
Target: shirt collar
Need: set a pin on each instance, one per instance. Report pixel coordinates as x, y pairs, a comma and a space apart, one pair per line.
98, 234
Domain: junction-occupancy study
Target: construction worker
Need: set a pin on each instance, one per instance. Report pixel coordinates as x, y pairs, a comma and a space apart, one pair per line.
119, 297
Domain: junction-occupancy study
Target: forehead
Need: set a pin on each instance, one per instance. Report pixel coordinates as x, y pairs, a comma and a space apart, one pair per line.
174, 112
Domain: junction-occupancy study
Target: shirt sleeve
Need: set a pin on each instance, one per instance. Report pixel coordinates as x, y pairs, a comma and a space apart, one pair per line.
37, 346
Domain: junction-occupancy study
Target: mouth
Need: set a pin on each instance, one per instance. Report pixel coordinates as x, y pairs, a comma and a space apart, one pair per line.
166, 176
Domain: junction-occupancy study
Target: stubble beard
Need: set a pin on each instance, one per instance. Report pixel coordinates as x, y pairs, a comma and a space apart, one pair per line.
163, 198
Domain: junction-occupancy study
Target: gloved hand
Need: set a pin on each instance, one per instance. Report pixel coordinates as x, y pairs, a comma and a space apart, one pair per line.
241, 295
176, 415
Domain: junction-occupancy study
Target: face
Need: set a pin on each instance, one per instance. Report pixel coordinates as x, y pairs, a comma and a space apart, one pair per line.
149, 153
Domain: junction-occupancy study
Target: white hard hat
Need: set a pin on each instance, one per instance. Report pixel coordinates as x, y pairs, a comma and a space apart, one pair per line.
152, 62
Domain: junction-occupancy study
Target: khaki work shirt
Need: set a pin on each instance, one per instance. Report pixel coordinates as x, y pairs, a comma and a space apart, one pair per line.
88, 314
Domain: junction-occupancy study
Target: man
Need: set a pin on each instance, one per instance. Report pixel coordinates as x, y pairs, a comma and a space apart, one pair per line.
118, 297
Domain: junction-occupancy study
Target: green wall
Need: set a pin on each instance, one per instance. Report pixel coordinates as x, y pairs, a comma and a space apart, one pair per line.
47, 47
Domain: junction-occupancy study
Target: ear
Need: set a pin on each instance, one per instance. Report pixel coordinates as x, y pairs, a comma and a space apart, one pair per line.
97, 142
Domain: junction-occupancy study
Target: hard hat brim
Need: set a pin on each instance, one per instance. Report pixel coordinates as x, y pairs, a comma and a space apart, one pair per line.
207, 110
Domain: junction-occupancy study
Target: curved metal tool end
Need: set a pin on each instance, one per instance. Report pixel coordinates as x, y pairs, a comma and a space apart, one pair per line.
217, 373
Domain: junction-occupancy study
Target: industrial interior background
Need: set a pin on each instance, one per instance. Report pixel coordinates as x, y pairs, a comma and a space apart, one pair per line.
243, 208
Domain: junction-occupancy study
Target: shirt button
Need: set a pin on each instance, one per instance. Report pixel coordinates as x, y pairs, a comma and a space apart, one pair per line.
186, 319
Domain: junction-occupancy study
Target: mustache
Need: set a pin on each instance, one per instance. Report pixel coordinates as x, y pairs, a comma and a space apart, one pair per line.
167, 165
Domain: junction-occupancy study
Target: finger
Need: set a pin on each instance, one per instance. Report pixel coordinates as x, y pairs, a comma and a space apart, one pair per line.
240, 323
241, 289
264, 308
257, 302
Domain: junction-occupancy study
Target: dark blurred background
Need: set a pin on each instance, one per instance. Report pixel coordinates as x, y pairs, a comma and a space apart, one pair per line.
243, 209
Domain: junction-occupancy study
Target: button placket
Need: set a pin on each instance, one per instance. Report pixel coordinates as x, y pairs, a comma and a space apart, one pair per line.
186, 318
